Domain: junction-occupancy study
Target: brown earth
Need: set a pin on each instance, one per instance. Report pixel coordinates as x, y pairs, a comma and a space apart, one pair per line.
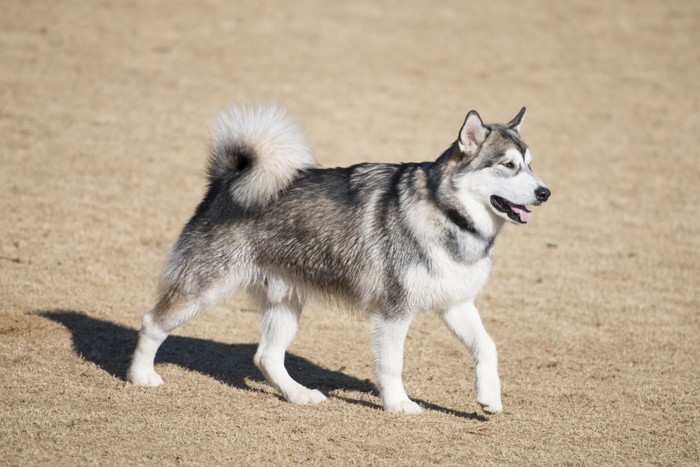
104, 116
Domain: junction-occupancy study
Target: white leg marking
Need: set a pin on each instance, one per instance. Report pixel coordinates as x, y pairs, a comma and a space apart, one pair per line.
388, 337
141, 371
465, 323
279, 322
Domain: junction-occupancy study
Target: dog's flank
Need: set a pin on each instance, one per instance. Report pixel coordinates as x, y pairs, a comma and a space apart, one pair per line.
391, 240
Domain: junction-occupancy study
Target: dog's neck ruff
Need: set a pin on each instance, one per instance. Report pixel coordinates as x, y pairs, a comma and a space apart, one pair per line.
467, 225
462, 221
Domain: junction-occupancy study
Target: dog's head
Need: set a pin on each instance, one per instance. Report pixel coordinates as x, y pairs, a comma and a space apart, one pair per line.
492, 165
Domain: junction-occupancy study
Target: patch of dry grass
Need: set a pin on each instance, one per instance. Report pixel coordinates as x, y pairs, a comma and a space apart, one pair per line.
594, 306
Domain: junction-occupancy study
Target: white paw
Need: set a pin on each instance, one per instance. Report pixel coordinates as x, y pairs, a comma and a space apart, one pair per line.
407, 407
305, 396
488, 394
144, 378
490, 403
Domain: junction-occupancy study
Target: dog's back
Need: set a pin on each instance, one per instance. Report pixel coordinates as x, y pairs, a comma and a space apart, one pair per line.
340, 232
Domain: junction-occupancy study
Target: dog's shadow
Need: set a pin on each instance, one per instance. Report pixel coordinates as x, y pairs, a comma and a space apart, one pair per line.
110, 346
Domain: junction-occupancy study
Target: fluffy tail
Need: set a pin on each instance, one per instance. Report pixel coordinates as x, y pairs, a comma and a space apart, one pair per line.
262, 148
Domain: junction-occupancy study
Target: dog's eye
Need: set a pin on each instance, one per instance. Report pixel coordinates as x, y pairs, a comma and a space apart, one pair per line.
508, 165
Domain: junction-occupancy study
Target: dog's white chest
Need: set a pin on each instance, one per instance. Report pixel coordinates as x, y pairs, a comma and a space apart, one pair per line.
445, 283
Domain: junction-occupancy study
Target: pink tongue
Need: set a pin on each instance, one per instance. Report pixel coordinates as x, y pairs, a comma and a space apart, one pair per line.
523, 214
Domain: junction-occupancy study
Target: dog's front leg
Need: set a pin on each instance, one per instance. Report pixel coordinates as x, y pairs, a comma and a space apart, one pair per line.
465, 323
388, 337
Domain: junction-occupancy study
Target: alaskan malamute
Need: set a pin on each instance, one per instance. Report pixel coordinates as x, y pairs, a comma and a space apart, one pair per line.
391, 240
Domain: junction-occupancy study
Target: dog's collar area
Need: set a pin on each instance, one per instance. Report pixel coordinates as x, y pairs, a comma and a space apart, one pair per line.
515, 212
461, 221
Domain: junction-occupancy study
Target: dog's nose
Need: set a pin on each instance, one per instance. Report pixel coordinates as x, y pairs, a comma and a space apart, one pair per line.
542, 193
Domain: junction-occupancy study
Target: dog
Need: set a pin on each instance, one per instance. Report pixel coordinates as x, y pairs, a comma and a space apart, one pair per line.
390, 240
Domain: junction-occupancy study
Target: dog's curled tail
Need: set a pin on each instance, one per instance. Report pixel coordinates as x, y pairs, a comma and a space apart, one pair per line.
261, 149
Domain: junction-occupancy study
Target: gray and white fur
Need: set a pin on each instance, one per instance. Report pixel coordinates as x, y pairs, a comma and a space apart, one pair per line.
391, 240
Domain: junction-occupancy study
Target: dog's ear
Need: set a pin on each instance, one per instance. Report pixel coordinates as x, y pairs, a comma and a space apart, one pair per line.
473, 133
517, 122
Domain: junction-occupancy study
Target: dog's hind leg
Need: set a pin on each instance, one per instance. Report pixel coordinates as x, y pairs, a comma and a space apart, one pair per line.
141, 372
157, 324
388, 337
465, 323
280, 312
172, 310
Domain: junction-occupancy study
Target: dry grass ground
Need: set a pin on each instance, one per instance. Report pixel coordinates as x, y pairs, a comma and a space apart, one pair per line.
104, 114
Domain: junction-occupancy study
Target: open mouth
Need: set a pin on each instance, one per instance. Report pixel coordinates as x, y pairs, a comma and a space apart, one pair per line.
515, 212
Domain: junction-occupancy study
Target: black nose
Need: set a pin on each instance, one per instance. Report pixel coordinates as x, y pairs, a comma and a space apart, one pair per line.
542, 193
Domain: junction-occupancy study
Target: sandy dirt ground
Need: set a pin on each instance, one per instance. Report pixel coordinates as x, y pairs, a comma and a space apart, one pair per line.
105, 109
